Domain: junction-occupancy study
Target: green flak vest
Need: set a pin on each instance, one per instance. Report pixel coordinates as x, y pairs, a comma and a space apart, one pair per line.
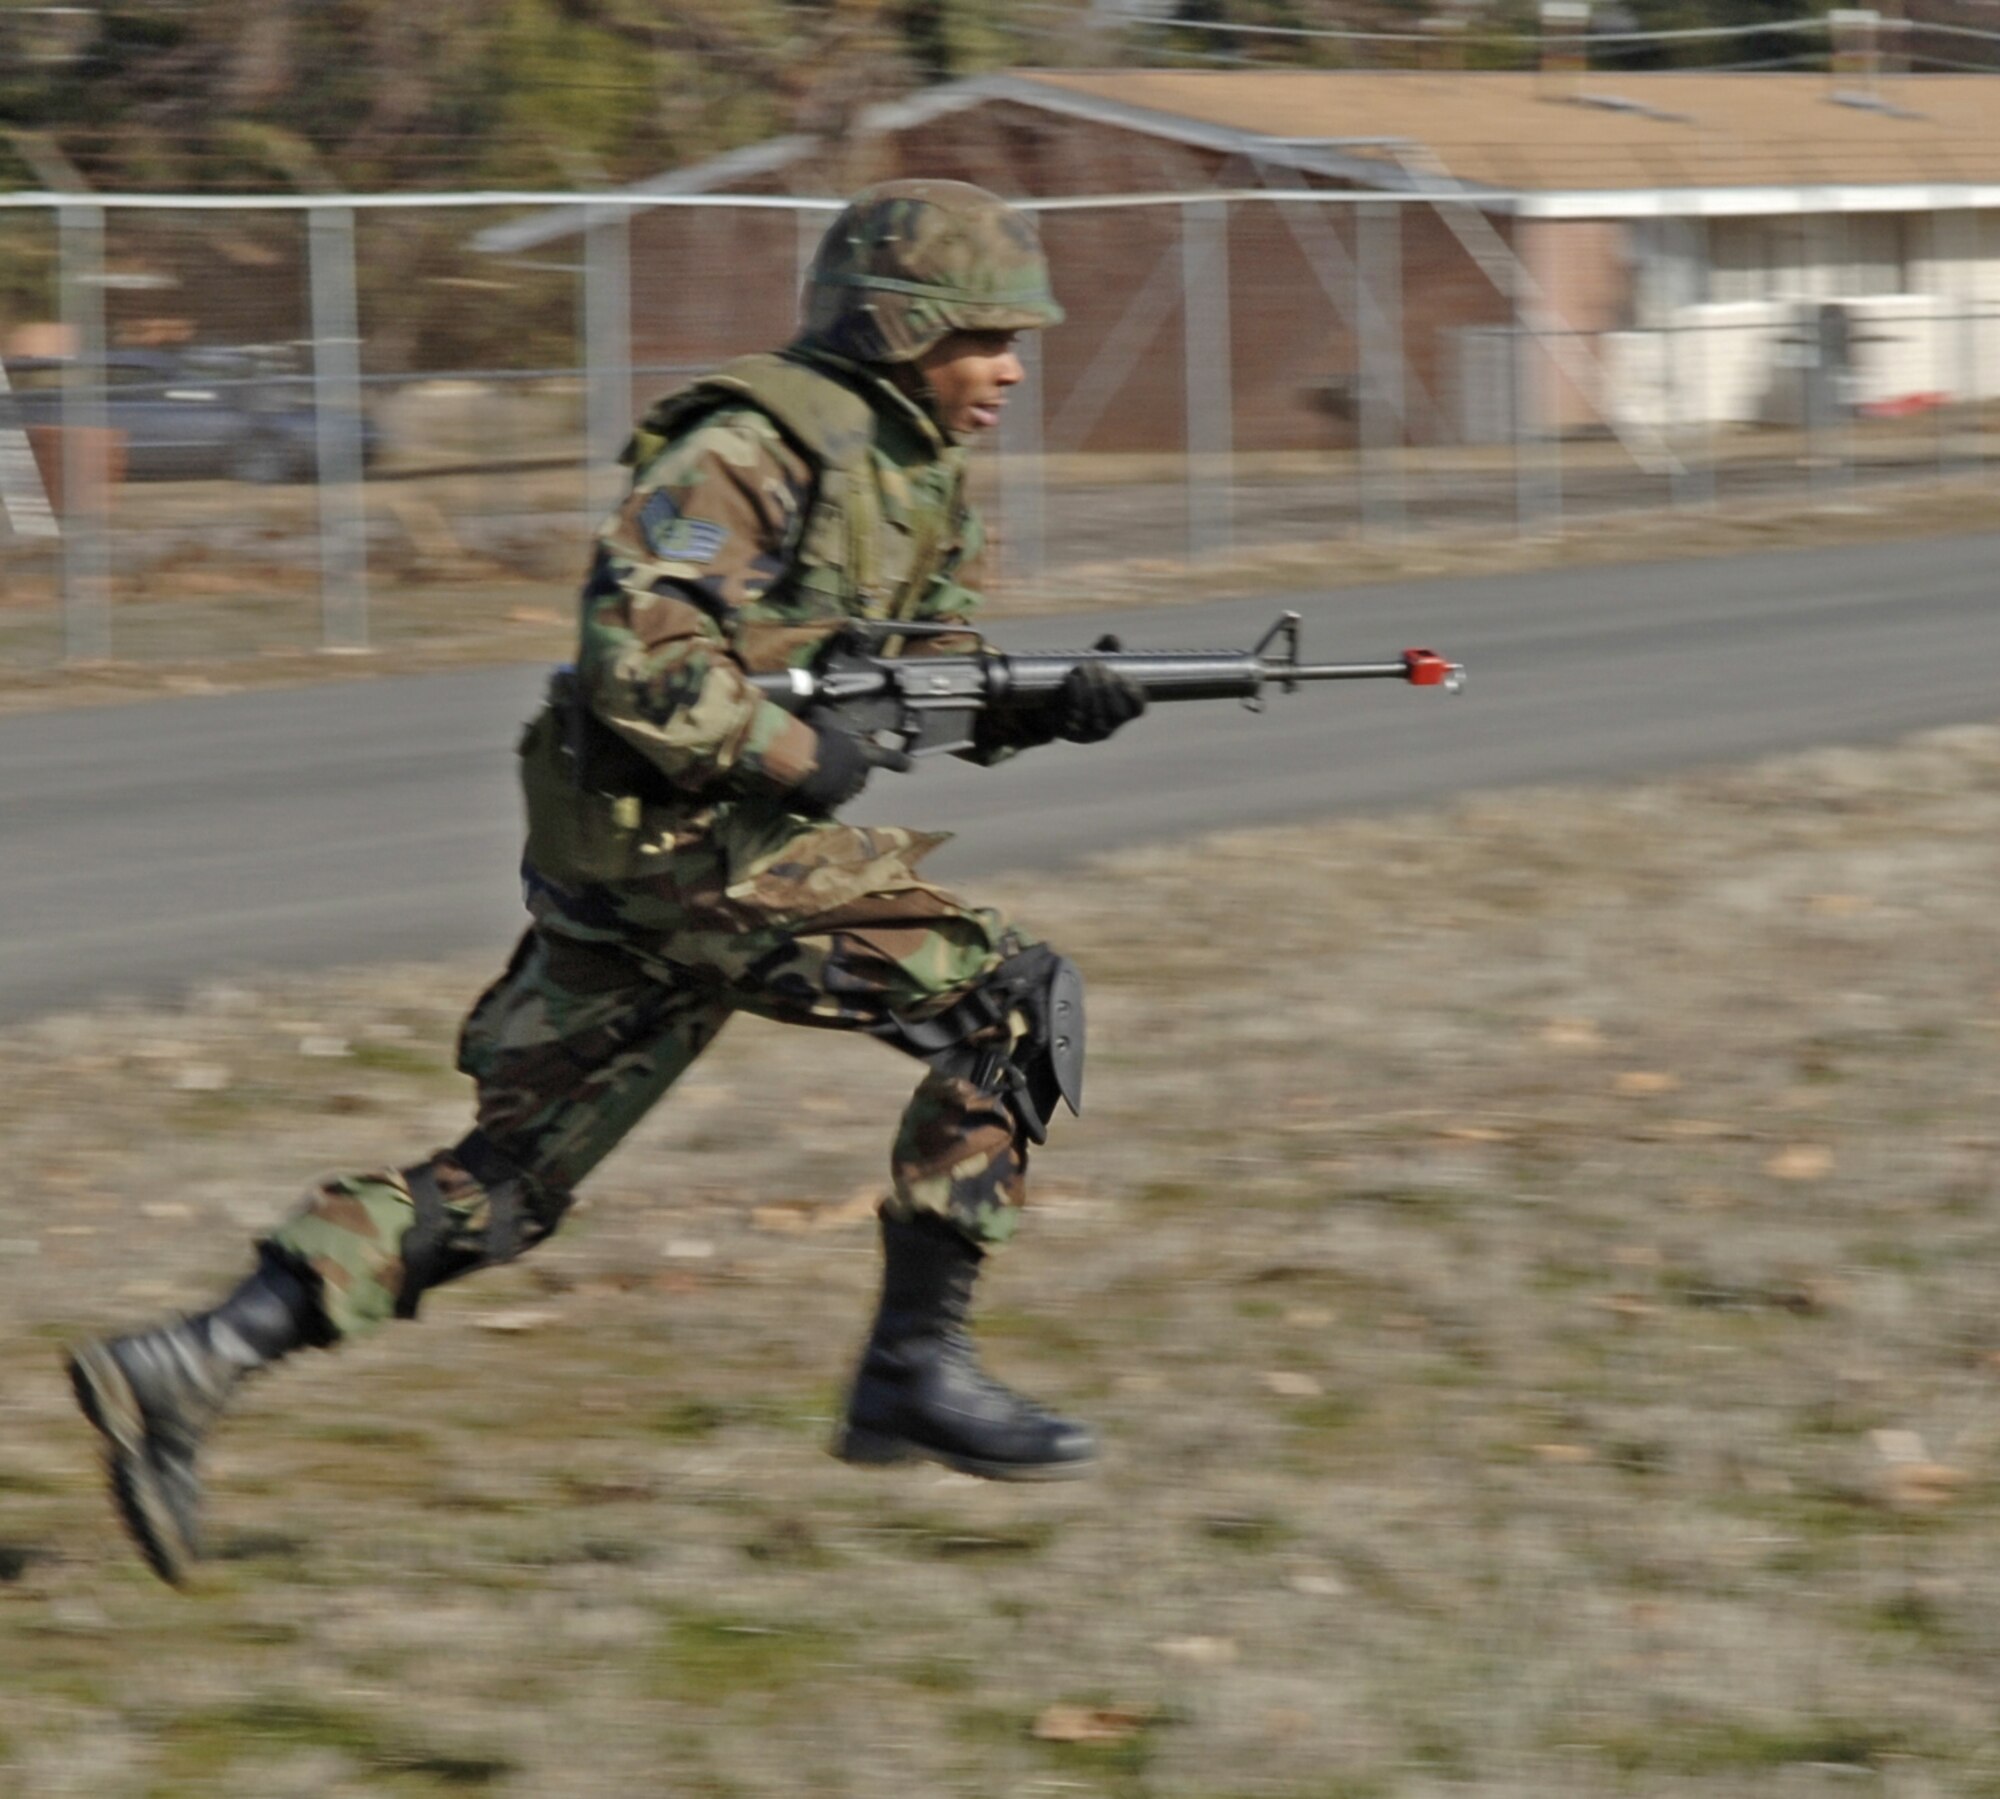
848, 561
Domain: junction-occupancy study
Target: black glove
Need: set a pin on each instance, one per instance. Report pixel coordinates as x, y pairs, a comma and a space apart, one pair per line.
842, 764
1095, 699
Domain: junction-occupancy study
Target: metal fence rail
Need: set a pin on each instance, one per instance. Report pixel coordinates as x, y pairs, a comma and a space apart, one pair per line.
1241, 370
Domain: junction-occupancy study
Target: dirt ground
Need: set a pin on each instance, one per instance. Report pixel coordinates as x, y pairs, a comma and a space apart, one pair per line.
1531, 1262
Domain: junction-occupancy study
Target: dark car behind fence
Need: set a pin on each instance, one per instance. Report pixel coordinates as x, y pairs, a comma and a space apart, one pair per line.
185, 415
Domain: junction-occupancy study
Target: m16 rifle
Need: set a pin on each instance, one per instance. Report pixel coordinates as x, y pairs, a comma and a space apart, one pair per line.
928, 705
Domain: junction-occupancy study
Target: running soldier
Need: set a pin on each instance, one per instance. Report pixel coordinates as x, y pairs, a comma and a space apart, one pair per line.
684, 861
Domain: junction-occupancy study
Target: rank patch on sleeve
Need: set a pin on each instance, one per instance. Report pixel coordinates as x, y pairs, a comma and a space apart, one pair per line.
689, 540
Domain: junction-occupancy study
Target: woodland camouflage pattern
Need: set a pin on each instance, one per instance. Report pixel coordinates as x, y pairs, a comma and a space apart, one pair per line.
696, 891
909, 261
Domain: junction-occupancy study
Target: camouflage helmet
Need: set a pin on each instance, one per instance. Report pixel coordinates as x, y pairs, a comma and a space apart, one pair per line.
908, 262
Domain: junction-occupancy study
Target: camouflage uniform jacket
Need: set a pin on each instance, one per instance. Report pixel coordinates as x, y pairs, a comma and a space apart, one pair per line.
770, 503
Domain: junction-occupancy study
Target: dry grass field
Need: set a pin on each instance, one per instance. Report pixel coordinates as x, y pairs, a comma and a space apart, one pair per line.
1533, 1263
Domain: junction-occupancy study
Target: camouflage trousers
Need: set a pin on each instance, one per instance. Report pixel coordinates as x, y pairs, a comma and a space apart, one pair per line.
588, 1028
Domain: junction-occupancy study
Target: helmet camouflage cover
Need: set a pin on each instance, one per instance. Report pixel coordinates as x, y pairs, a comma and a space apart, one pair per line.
908, 262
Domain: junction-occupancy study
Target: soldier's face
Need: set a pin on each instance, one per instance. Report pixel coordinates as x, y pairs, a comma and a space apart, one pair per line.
969, 374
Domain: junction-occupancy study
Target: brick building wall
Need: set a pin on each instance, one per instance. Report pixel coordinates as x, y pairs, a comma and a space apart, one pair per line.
710, 284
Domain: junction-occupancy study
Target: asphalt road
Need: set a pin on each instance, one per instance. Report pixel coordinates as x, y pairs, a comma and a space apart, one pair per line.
147, 847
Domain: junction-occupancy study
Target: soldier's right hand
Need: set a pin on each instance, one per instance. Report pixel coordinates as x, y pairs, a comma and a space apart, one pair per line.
842, 763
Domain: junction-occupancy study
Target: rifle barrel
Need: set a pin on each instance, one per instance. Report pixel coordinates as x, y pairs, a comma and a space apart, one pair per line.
1282, 672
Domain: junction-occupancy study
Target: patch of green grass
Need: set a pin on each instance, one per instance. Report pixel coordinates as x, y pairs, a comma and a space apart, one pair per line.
213, 1114
261, 1633
1892, 1255
253, 1730
1175, 1196
364, 1433
1252, 1532
951, 1539
787, 1542
1640, 1455
1830, 1515
711, 1656
1427, 1202
1560, 1274
692, 1420
1911, 1613
1720, 1746
1329, 1414
592, 1550
397, 1058
940, 1674
689, 1420
1047, 1331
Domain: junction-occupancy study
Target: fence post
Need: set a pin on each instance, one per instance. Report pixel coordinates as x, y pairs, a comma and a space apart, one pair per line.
1521, 399
343, 521
1973, 398
607, 353
86, 461
1210, 437
1023, 518
1953, 271
1379, 399
1697, 435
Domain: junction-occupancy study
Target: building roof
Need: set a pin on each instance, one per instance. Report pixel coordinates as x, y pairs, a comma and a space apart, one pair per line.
1594, 131
1583, 144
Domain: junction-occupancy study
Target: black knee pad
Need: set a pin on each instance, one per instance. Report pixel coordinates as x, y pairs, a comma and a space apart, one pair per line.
973, 1041
521, 1209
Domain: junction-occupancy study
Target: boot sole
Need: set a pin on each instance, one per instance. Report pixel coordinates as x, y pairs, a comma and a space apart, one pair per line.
106, 1399
874, 1449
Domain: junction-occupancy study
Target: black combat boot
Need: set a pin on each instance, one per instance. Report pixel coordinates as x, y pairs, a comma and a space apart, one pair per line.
920, 1391
154, 1394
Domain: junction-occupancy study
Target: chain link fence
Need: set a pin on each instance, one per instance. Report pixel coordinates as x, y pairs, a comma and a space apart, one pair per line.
243, 426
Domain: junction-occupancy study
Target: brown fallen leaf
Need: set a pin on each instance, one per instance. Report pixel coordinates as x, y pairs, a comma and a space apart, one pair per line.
1288, 1385
1565, 1454
1638, 1081
513, 1323
1572, 1033
1922, 1486
1904, 1446
1091, 1723
797, 1217
1800, 1162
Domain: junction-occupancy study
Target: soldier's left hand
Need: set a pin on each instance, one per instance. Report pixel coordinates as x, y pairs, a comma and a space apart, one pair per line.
1098, 699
